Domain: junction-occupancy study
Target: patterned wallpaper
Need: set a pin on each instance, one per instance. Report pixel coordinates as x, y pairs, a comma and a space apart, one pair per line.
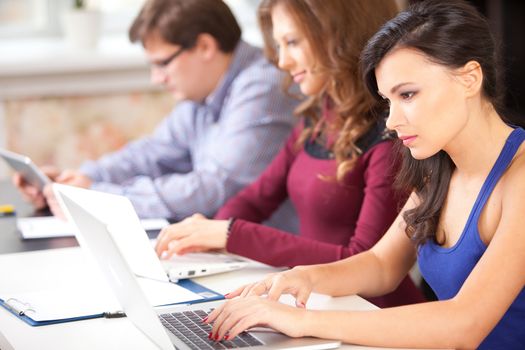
66, 131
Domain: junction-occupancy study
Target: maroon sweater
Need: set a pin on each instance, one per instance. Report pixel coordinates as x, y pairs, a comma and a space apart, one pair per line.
336, 220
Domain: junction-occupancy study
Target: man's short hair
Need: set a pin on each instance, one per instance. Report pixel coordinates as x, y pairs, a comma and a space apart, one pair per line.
180, 22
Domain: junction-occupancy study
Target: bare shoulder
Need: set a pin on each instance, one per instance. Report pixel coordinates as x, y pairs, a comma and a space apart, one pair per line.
514, 180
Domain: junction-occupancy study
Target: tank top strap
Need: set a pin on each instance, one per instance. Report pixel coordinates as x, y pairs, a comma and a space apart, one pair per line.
514, 141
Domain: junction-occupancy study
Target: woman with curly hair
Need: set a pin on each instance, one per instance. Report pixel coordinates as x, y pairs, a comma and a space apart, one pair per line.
335, 167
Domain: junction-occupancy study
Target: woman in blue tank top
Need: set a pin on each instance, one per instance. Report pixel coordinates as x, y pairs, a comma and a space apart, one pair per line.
434, 64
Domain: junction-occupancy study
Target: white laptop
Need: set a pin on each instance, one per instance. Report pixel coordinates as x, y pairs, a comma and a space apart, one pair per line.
4, 344
136, 246
177, 327
201, 264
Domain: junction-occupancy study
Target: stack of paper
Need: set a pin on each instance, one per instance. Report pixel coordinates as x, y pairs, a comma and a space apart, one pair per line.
51, 226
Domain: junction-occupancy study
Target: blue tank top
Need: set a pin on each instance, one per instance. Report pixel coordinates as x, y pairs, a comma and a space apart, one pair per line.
446, 269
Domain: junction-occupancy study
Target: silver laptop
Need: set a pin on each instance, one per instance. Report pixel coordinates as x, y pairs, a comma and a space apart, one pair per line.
138, 250
177, 327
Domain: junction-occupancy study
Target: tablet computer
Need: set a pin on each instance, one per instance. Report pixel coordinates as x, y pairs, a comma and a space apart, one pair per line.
26, 167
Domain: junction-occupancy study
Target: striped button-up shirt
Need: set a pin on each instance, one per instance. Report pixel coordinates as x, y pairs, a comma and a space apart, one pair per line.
203, 153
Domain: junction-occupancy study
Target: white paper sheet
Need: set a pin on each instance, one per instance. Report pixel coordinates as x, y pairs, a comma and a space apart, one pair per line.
81, 299
50, 226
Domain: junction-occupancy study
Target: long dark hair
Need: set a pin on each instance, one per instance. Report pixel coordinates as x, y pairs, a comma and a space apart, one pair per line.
449, 33
337, 31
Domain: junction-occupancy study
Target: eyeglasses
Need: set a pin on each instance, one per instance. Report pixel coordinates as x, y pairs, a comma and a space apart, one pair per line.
162, 64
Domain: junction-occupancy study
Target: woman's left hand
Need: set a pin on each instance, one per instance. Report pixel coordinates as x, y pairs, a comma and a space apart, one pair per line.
239, 314
193, 234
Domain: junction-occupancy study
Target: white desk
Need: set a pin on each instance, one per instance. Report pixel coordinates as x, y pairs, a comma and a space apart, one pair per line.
21, 271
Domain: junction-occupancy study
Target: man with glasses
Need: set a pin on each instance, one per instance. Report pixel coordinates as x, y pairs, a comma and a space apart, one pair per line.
230, 119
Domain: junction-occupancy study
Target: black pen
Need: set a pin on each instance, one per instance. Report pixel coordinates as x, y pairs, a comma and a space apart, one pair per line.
114, 314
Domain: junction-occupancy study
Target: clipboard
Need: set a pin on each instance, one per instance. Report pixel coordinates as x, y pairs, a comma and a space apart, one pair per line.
27, 311
103, 220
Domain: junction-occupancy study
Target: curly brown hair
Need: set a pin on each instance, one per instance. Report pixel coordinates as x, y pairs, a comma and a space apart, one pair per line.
337, 31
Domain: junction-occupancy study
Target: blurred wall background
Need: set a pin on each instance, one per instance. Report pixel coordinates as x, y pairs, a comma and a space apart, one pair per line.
62, 105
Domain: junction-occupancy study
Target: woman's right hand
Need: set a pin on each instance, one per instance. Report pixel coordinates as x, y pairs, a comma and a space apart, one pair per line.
297, 282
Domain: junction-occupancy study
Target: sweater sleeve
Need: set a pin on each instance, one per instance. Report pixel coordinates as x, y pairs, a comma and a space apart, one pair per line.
378, 210
258, 201
381, 202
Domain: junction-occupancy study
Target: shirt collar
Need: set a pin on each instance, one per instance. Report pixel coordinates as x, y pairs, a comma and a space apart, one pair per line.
216, 99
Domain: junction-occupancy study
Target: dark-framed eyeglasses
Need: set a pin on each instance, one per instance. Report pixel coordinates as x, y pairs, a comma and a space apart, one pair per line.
162, 64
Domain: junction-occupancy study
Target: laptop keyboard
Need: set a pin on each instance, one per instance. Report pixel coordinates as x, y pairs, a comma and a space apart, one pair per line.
188, 327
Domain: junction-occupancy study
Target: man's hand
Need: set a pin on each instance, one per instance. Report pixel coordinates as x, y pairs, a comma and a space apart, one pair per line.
31, 193
73, 178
